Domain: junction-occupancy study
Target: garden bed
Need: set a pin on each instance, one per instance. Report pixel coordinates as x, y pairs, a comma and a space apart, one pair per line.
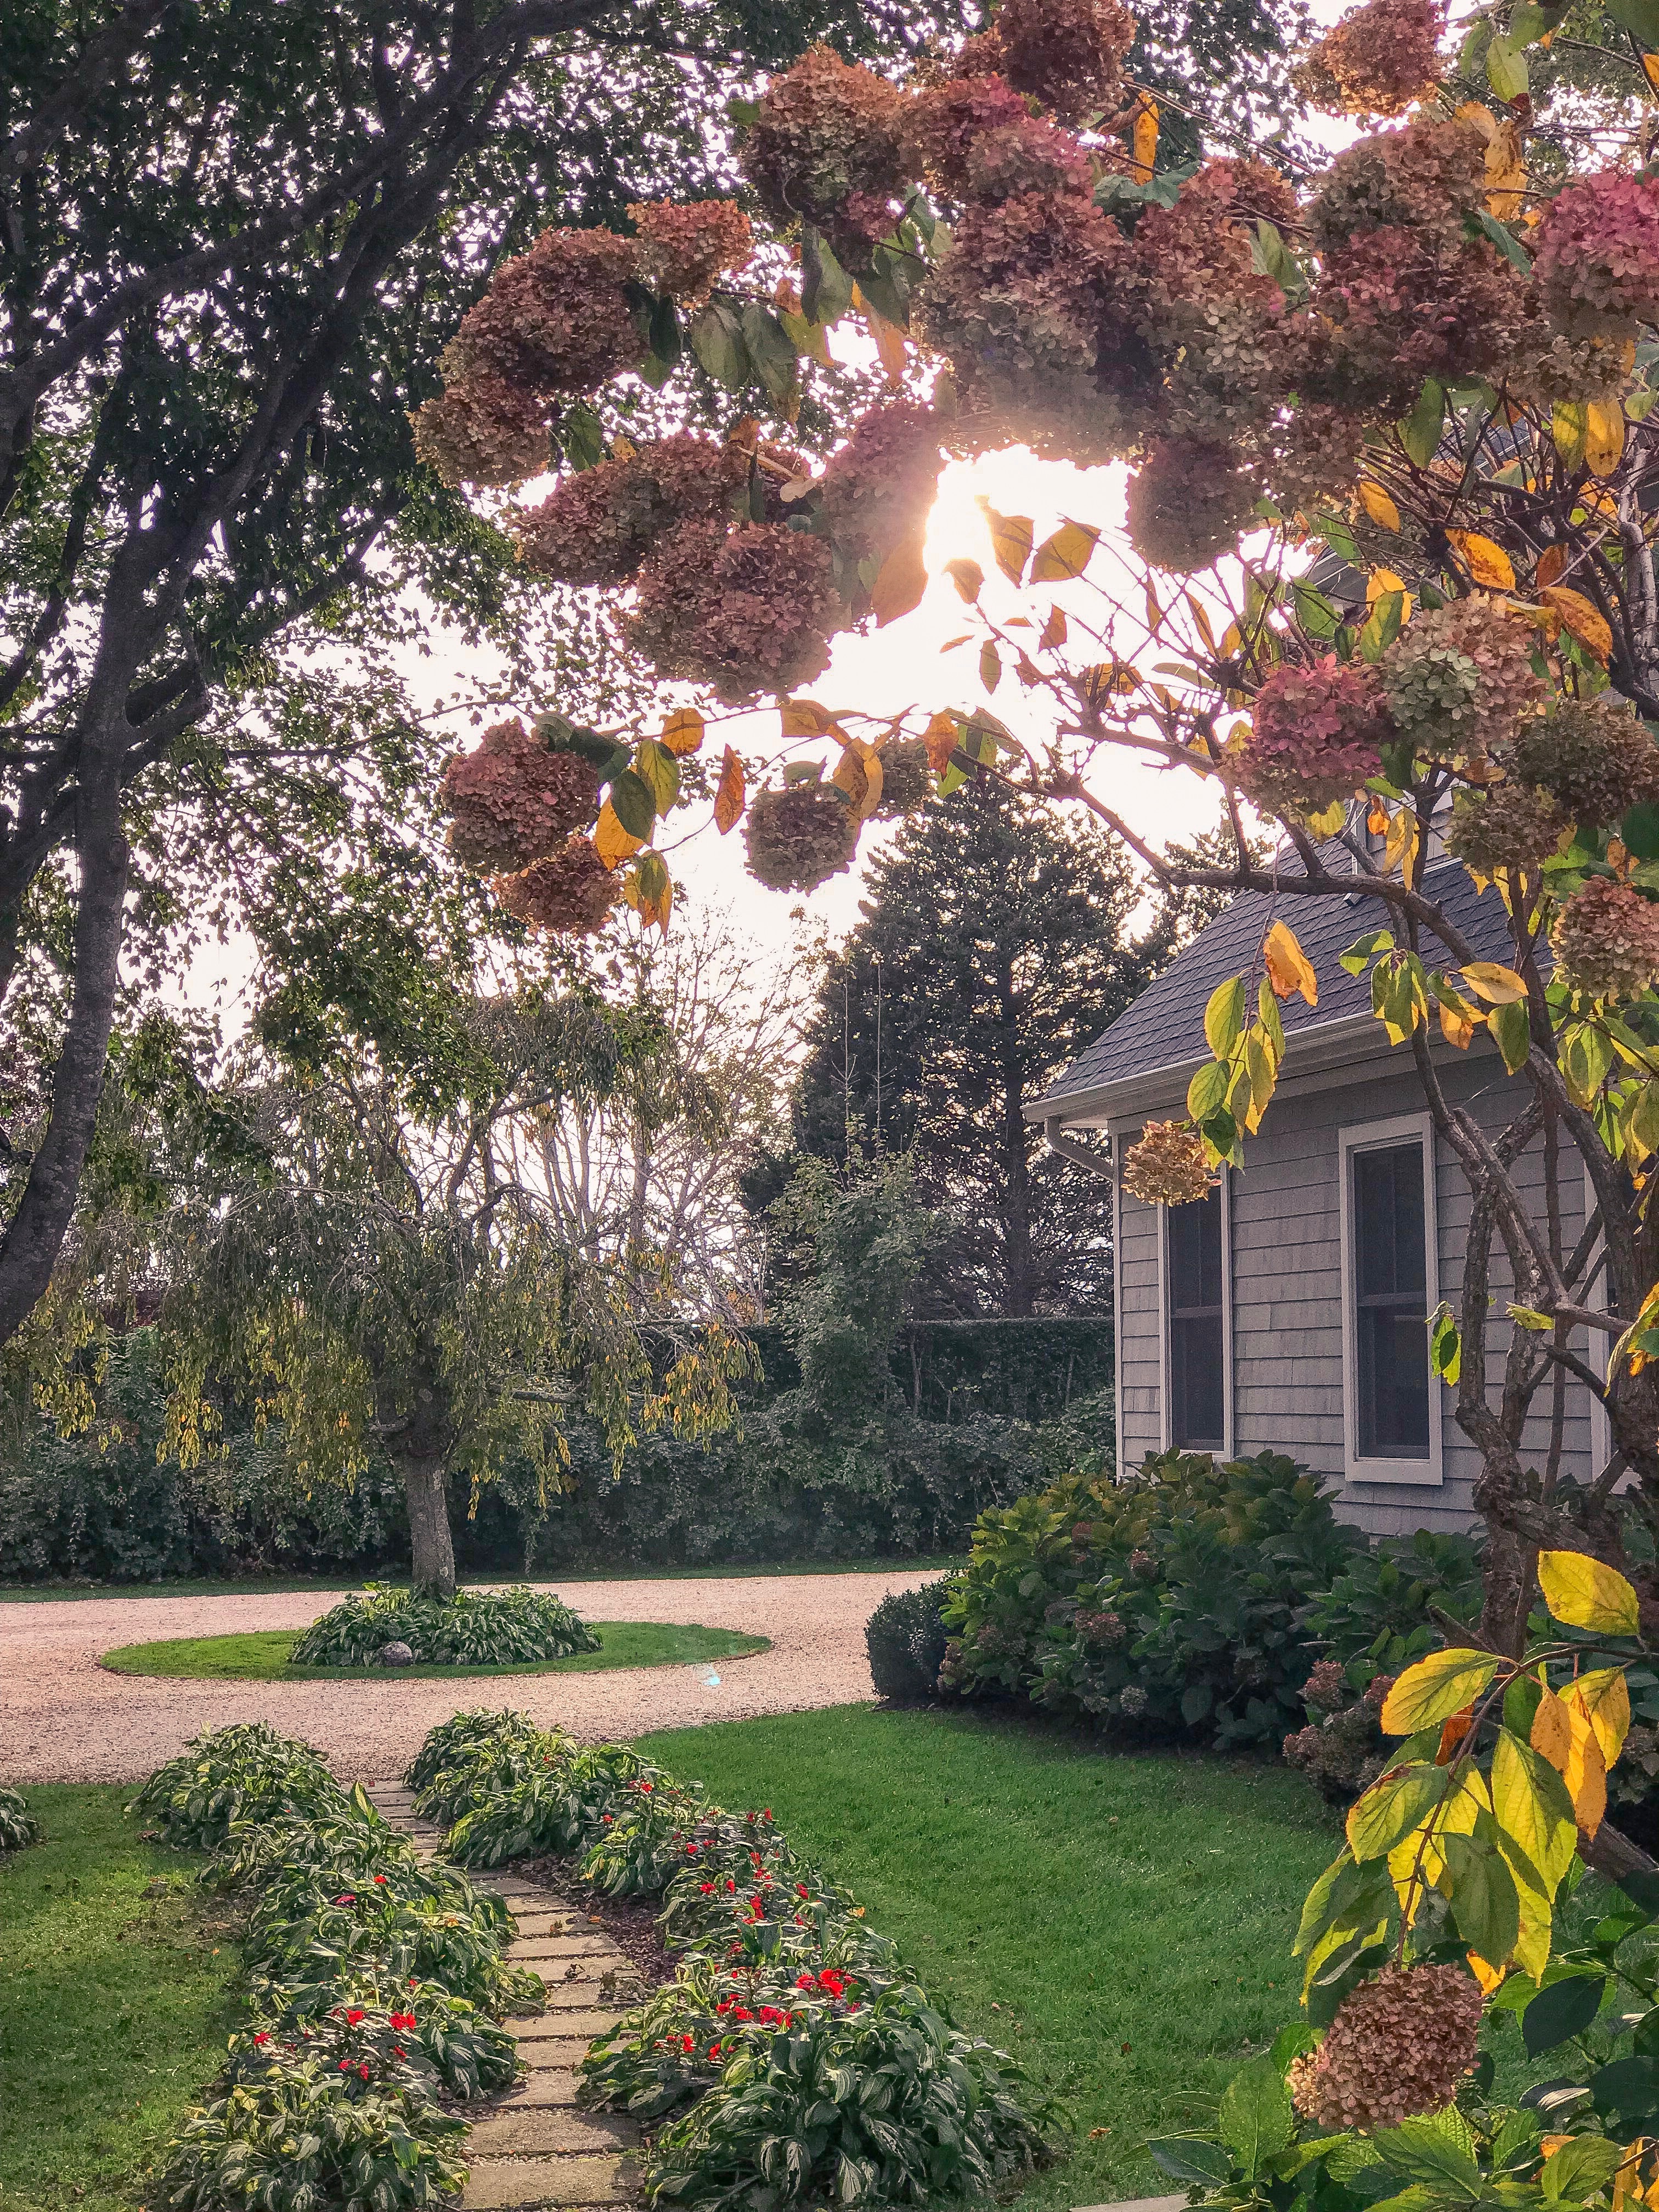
262, 1656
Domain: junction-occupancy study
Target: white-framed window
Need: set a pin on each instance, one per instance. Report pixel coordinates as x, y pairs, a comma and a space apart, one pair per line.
1196, 1301
1390, 1285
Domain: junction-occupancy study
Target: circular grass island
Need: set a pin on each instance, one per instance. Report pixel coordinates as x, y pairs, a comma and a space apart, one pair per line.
262, 1656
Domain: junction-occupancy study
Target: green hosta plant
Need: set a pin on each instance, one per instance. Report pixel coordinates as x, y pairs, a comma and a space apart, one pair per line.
643, 1846
18, 1826
245, 1773
474, 1628
560, 1807
413, 2035
304, 1947
479, 1755
303, 2135
257, 1853
892, 2107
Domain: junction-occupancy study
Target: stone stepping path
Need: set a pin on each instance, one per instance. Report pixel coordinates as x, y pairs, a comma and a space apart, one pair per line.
536, 2146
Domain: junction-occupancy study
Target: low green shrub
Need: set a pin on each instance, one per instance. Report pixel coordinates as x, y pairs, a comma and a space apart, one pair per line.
413, 2033
1376, 1607
302, 2135
247, 1772
1168, 1603
474, 1628
906, 1638
18, 1826
800, 2062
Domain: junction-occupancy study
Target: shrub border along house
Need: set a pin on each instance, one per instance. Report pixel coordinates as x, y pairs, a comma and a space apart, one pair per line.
793, 2059
375, 1980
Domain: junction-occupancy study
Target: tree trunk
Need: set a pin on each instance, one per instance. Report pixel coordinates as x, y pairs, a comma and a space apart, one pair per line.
430, 1548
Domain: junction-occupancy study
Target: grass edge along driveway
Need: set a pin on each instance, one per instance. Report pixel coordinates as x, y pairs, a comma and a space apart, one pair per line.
1121, 1922
113, 2010
261, 1656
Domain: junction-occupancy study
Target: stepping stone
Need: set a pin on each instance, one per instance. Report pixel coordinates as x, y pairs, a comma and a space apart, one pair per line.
1138, 2204
534, 2132
587, 2024
543, 2035
569, 1998
543, 2087
525, 1951
495, 2183
547, 1924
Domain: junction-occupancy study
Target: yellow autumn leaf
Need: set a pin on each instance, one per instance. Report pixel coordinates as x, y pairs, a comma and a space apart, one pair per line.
1288, 966
1582, 619
1489, 564
1650, 70
683, 731
1065, 555
1584, 1594
1434, 1688
858, 774
1487, 1977
1552, 1731
1145, 139
1010, 540
729, 798
1586, 1771
1498, 985
611, 842
1506, 172
1053, 630
1568, 422
1482, 118
940, 740
890, 349
1380, 583
1456, 1028
1604, 435
1377, 504
805, 717
900, 583
1605, 1696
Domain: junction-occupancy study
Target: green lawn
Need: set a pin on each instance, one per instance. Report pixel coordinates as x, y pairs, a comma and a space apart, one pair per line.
287, 1585
1122, 1923
261, 1656
112, 2004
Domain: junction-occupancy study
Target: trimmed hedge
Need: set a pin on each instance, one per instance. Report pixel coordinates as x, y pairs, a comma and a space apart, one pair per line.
906, 1639
793, 2060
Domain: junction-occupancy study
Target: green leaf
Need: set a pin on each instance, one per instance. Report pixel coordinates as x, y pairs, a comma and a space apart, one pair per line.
1640, 18
1271, 256
717, 340
1255, 2120
826, 289
1338, 536
581, 436
1580, 2168
1481, 1892
1223, 1016
1382, 625
659, 772
770, 351
1503, 238
1562, 2009
1419, 434
1346, 1895
636, 808
1435, 1687
1511, 1027
1315, 611
1438, 2152
1364, 950
1207, 1091
1445, 1344
1393, 1807
1506, 70
1191, 2158
990, 665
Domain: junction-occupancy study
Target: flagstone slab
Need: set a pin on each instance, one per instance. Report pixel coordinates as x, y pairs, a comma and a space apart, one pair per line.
534, 2132
495, 2185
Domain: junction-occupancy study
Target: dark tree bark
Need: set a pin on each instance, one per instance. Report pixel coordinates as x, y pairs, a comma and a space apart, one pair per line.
431, 1548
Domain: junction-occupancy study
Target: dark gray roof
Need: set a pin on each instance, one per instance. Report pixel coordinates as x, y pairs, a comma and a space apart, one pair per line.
1164, 1027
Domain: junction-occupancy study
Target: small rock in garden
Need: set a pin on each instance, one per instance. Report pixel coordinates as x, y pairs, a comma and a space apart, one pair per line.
394, 1655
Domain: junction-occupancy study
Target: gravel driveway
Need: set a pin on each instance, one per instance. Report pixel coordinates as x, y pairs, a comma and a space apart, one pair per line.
64, 1718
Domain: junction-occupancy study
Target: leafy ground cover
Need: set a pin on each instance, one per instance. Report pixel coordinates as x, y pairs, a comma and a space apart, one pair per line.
113, 2010
262, 1656
296, 1585
1122, 1923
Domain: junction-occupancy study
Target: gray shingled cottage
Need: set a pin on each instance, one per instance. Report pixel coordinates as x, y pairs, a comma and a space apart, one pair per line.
1287, 1311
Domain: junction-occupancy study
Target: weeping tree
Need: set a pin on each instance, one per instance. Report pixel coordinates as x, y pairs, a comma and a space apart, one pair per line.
376, 1273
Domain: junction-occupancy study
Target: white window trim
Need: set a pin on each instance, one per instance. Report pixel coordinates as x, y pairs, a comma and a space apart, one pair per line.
1377, 1136
1163, 1422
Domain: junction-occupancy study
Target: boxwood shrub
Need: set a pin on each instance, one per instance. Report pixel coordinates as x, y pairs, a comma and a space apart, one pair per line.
793, 2060
906, 1638
474, 1628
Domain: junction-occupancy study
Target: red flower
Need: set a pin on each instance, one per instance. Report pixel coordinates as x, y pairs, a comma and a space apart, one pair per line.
609, 1817
803, 1981
348, 1897
801, 1889
686, 2043
706, 1887
263, 2037
714, 2050
379, 1877
729, 1883
690, 1850
398, 2050
363, 2069
345, 2066
353, 2016
402, 2020
648, 1787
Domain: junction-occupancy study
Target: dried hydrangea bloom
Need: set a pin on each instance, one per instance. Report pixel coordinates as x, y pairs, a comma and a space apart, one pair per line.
945, 122
824, 149
568, 894
1514, 825
599, 524
1596, 758
1398, 2047
1605, 940
682, 249
1187, 502
906, 778
1031, 155
1067, 54
1405, 306
1548, 366
482, 430
1167, 1167
1596, 256
1426, 177
556, 320
799, 838
1316, 735
745, 612
513, 800
1313, 456
878, 488
1460, 677
1381, 58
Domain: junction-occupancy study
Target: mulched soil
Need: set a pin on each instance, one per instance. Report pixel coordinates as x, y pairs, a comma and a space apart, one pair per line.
630, 1922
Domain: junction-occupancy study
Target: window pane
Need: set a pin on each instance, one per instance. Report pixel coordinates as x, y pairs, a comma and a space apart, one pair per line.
1197, 1402
1195, 1249
1391, 1341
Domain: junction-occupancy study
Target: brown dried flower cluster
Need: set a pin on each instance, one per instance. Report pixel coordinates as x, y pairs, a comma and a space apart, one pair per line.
1398, 2047
747, 611
906, 778
1380, 59
1167, 1167
1606, 939
878, 487
1514, 825
1066, 54
482, 431
1316, 735
681, 250
1460, 679
799, 838
1592, 756
568, 894
599, 524
555, 320
1187, 502
513, 800
825, 149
